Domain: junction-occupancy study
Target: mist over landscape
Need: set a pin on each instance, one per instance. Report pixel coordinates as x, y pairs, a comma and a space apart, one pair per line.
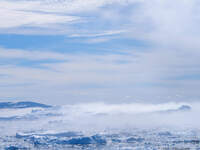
99, 74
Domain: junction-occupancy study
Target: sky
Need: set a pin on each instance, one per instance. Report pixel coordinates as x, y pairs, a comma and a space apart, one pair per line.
112, 51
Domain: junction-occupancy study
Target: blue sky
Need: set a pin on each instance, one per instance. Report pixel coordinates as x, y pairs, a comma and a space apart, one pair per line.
75, 51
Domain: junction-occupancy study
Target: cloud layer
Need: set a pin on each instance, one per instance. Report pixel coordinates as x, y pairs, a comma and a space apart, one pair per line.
166, 69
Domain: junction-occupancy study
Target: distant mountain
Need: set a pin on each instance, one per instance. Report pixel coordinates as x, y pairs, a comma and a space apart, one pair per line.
10, 105
182, 108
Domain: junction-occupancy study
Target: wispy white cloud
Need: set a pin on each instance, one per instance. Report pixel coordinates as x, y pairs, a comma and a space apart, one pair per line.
30, 55
167, 23
105, 33
171, 27
97, 77
164, 22
63, 6
17, 18
54, 16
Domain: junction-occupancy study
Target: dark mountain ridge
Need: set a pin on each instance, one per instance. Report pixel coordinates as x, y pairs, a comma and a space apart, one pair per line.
26, 104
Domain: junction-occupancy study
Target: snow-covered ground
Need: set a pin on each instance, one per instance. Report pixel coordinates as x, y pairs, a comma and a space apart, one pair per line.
101, 126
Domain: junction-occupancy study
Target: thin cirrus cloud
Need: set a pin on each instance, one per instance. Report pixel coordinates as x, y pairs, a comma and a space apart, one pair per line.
28, 55
54, 16
87, 77
18, 18
159, 21
38, 13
